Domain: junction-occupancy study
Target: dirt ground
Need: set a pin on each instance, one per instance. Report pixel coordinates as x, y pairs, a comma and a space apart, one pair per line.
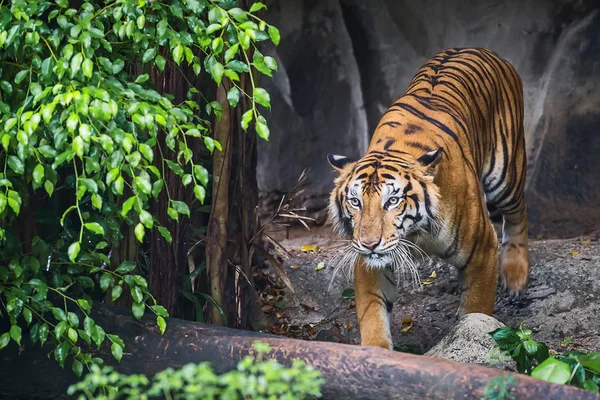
562, 302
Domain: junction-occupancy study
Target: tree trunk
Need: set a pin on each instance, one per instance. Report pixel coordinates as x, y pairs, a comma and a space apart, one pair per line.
233, 217
351, 372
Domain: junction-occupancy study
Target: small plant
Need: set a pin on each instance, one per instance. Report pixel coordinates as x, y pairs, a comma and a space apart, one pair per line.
518, 343
254, 378
500, 388
572, 367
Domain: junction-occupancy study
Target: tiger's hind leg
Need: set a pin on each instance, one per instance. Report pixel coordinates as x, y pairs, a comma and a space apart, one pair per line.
514, 250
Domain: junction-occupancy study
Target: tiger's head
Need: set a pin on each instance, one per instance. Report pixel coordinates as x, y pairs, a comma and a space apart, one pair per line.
381, 200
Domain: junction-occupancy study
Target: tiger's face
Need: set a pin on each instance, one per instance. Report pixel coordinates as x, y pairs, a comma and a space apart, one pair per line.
381, 201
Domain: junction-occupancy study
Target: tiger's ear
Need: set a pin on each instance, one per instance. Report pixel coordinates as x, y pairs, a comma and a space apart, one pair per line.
430, 160
338, 162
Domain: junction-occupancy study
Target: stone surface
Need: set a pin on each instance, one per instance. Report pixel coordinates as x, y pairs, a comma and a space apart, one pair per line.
342, 63
468, 341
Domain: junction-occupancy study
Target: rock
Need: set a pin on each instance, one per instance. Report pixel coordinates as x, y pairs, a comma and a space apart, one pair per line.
469, 341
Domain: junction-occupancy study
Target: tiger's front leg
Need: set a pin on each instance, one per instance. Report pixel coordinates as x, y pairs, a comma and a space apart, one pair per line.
374, 291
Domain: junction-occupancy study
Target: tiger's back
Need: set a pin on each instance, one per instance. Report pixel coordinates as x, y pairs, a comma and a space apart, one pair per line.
451, 144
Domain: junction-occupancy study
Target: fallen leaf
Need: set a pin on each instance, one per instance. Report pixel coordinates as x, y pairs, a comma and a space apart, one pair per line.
308, 249
320, 266
409, 324
294, 266
427, 282
573, 252
433, 275
267, 309
348, 294
585, 242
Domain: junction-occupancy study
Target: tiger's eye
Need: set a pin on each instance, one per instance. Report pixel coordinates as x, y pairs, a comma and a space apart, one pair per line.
354, 202
393, 200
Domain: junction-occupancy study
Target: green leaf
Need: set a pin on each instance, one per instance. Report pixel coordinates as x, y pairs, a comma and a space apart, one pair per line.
20, 76
43, 333
591, 361
77, 368
85, 304
117, 351
348, 294
146, 219
212, 28
201, 174
160, 310
118, 66
233, 96
237, 66
505, 336
257, 7
164, 232
125, 267
72, 334
94, 227
200, 193
73, 319
38, 174
137, 309
216, 71
160, 62
231, 52
76, 63
271, 63
149, 55
4, 340
60, 329
181, 207
15, 333
139, 232
73, 251
261, 128
16, 165
591, 386
274, 35
136, 294
552, 370
61, 351
27, 315
59, 314
116, 292
106, 281
262, 97
246, 119
87, 67
162, 325
178, 54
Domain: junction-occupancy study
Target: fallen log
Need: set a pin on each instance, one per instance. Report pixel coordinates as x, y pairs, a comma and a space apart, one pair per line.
351, 372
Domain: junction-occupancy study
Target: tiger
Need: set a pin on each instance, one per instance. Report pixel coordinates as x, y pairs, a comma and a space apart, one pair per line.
445, 161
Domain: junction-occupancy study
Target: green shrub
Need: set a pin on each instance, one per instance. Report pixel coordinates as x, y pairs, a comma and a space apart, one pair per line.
253, 379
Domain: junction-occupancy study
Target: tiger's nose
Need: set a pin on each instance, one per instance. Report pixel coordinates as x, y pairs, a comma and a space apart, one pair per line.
371, 244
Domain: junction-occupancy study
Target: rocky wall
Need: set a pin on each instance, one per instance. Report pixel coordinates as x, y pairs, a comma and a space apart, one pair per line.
342, 62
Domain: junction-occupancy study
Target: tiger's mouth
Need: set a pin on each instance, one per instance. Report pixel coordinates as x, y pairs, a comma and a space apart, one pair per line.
377, 260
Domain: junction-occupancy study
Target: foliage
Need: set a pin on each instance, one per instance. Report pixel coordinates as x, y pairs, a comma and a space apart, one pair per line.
89, 140
518, 343
572, 367
499, 388
253, 379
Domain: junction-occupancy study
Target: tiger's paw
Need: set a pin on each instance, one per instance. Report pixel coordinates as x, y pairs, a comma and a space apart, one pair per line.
514, 269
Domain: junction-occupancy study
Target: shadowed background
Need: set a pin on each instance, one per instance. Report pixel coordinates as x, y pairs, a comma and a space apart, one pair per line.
343, 62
